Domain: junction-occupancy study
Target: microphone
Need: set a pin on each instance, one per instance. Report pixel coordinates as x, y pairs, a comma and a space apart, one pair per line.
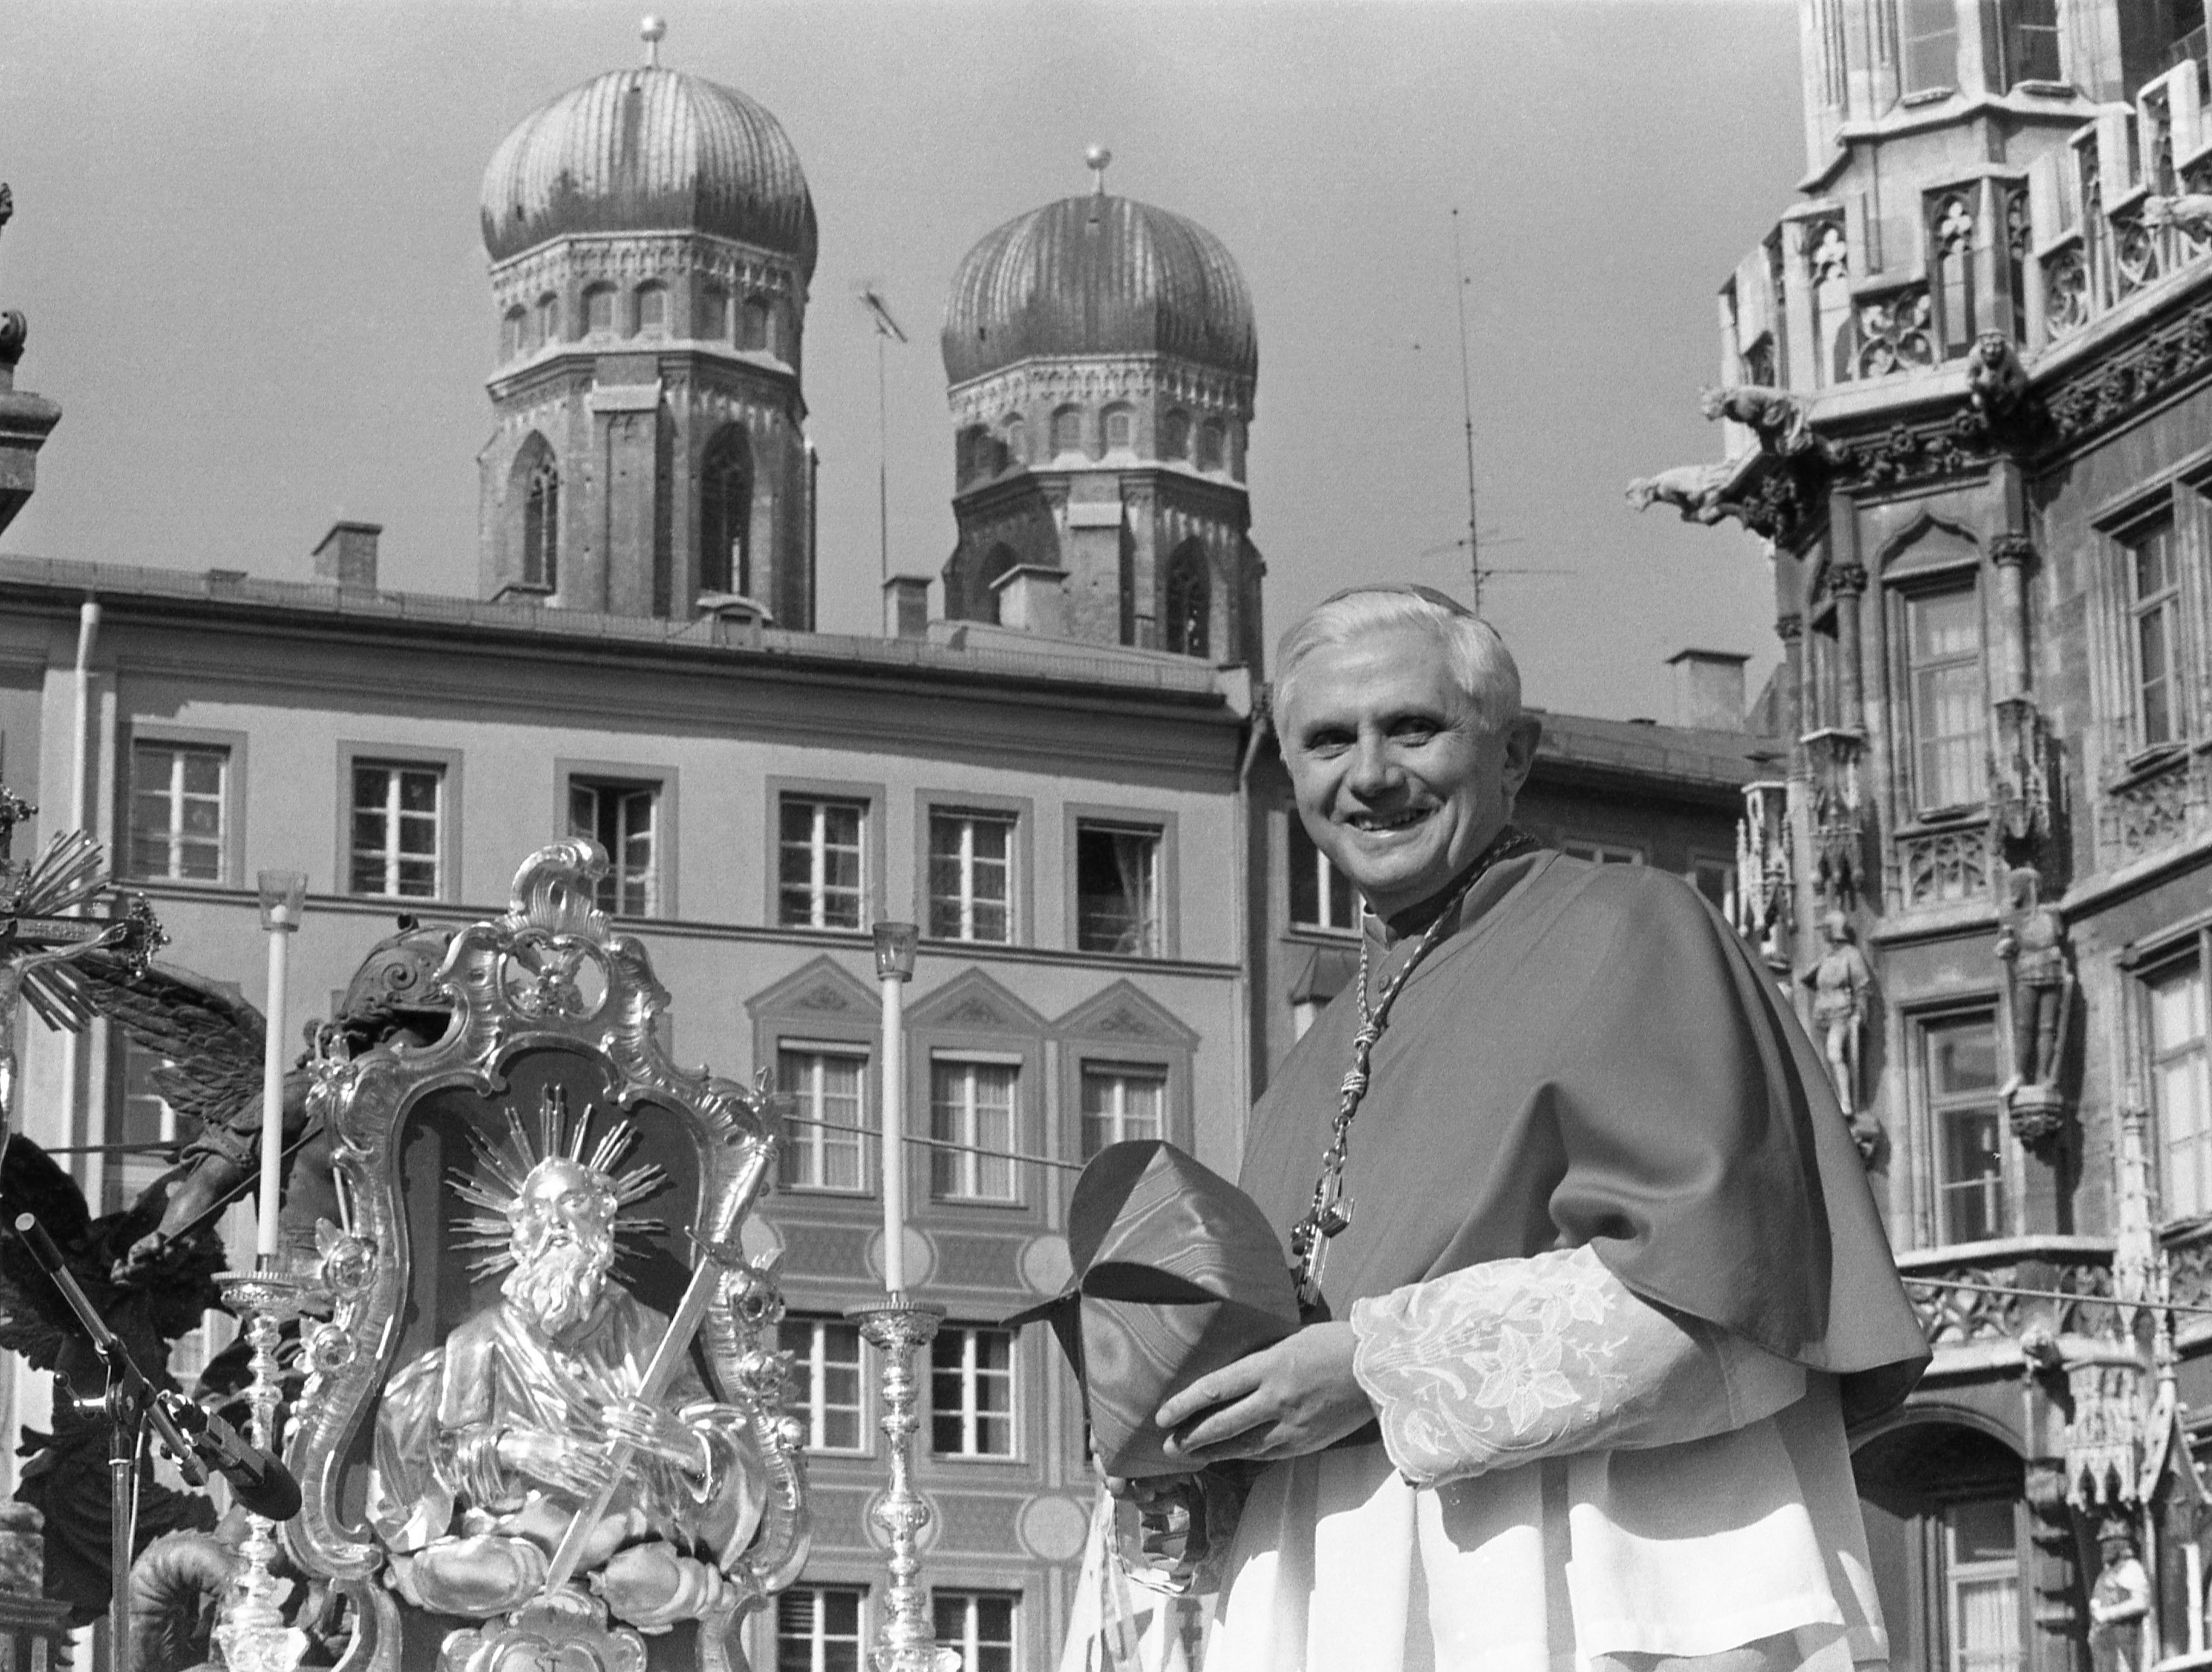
257, 1479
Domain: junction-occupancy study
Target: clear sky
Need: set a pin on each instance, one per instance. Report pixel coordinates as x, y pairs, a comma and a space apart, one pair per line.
246, 236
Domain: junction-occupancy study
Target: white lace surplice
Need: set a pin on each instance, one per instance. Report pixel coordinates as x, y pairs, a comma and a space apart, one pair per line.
1569, 1479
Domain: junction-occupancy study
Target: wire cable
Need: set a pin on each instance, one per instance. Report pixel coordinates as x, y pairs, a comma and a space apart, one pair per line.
944, 1143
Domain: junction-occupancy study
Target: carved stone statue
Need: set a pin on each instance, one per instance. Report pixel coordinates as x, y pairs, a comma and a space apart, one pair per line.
1997, 382
2031, 945
2192, 212
1842, 984
2119, 1601
487, 1443
1693, 489
1776, 418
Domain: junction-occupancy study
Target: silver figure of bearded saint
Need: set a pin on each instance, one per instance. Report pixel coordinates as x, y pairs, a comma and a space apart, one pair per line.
487, 1444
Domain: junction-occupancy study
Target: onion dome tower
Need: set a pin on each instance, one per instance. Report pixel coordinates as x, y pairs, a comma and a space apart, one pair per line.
1101, 358
651, 239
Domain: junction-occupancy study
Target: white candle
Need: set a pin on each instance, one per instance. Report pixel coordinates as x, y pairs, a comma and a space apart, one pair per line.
272, 1087
894, 1125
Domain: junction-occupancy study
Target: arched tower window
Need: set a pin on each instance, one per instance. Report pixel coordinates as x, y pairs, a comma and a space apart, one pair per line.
514, 334
548, 319
1209, 445
1174, 436
537, 481
1189, 601
652, 310
1068, 430
599, 310
1121, 430
1018, 441
725, 514
713, 321
752, 325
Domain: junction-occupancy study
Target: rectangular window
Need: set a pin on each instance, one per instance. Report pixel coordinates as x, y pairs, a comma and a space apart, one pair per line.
2155, 609
1981, 1600
817, 1629
825, 1148
1117, 889
1946, 696
625, 819
2031, 40
971, 1393
978, 1626
970, 875
826, 1364
2181, 1096
180, 795
1714, 878
818, 862
1121, 1103
1930, 32
1322, 897
1969, 1122
1601, 852
972, 1103
399, 822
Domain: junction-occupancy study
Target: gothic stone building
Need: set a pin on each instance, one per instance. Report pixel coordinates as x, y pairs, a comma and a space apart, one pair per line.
1969, 400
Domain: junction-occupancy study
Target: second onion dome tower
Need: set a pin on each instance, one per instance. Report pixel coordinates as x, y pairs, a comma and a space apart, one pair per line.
1102, 361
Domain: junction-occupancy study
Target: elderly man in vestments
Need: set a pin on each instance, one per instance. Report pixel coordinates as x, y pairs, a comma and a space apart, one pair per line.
490, 1444
1593, 1274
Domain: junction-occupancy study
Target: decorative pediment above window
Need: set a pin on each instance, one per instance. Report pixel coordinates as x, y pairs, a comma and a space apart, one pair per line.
1125, 1011
972, 1002
820, 988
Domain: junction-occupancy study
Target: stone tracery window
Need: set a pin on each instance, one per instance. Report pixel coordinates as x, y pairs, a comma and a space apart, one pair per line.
548, 319
652, 310
713, 324
514, 333
1175, 434
1929, 31
752, 323
1952, 233
1210, 444
725, 505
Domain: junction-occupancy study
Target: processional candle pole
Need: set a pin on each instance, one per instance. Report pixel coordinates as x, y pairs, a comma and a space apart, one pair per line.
898, 1328
284, 897
252, 1630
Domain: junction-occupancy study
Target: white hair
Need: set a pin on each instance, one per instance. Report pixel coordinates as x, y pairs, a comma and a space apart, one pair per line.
1481, 663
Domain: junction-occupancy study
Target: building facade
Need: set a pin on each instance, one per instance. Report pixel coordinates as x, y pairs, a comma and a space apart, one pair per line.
1966, 382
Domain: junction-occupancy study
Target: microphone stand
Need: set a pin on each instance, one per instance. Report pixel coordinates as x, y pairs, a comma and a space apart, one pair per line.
129, 1403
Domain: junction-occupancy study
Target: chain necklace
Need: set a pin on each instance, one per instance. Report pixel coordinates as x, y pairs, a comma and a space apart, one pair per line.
1331, 1209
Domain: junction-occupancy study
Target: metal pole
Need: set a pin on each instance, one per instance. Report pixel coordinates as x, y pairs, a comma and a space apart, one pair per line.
1467, 409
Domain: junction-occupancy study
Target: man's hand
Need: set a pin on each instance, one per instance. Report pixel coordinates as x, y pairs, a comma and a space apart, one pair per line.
654, 1431
1297, 1396
568, 1465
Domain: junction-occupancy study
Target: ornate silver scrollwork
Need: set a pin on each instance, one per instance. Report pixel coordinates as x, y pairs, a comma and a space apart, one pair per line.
523, 1137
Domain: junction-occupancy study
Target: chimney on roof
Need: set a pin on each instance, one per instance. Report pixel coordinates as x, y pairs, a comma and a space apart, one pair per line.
1033, 597
1708, 689
346, 556
906, 606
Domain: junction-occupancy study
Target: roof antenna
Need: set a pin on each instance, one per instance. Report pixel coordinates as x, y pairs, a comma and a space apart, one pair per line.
650, 29
1466, 408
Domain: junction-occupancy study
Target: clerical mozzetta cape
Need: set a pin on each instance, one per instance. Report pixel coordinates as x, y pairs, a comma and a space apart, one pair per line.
1618, 1282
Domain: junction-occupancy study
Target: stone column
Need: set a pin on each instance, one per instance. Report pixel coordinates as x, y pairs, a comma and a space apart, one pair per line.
2012, 553
1847, 585
1790, 630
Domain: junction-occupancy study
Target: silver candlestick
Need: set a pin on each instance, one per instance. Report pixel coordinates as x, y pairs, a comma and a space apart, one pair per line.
906, 1638
252, 1632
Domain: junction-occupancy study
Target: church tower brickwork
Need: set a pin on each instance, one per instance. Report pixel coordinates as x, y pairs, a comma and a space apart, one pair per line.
1101, 358
651, 239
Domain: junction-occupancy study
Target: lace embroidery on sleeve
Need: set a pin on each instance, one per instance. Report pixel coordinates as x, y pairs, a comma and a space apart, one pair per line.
1513, 1361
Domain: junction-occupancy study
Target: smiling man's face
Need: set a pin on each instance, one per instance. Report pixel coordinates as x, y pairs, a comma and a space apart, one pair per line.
1399, 779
